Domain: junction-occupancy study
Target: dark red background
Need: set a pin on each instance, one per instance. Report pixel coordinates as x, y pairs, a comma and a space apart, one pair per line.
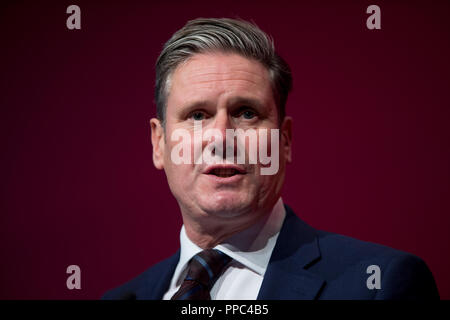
371, 133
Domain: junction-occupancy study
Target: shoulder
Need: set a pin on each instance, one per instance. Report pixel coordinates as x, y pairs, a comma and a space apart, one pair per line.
150, 284
346, 264
341, 251
348, 249
401, 275
336, 248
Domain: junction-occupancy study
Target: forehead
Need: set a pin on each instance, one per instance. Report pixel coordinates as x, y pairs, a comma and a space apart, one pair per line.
219, 75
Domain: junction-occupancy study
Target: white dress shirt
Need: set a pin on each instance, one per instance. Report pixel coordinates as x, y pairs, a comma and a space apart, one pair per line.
250, 250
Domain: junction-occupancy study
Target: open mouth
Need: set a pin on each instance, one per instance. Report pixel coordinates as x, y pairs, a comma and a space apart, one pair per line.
224, 172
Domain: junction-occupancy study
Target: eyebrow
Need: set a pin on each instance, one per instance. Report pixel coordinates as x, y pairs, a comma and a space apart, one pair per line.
251, 102
198, 105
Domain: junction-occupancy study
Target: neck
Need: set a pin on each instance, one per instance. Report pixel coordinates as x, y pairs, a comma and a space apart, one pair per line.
210, 231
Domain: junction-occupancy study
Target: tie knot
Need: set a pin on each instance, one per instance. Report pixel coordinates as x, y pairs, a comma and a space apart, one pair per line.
206, 266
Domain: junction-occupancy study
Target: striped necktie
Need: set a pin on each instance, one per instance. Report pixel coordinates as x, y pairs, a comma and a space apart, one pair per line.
204, 269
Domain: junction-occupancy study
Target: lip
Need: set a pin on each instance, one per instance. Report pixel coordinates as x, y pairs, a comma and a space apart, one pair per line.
208, 169
225, 180
232, 179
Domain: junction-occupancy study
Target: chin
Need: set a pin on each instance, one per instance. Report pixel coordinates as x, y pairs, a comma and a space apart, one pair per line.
226, 204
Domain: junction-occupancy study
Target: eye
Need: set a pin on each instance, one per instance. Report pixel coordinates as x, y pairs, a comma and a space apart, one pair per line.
197, 115
248, 114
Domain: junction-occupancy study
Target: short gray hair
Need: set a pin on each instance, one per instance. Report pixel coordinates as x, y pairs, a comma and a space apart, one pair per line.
223, 35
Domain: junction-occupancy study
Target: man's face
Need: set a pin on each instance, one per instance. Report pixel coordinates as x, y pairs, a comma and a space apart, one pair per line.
223, 91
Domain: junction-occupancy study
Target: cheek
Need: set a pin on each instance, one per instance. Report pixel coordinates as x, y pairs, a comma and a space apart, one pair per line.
267, 185
174, 164
183, 146
179, 178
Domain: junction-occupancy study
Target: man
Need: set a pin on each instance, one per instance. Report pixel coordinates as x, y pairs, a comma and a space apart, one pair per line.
238, 240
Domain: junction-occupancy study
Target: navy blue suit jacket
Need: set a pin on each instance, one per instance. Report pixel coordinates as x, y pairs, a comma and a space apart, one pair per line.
310, 264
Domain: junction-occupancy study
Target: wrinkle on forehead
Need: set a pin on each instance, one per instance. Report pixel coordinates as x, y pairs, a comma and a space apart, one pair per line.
229, 74
203, 69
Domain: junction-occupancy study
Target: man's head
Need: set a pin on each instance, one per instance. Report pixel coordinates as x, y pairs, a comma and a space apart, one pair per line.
221, 35
226, 75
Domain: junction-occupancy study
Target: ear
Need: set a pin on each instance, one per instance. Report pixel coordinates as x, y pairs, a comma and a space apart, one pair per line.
158, 143
286, 138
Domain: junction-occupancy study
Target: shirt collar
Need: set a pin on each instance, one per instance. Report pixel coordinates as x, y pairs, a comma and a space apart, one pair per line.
251, 247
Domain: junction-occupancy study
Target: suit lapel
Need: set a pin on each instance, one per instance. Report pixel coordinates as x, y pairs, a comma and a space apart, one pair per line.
296, 249
286, 276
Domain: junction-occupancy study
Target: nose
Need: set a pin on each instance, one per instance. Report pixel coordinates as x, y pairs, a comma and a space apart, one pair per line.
222, 122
